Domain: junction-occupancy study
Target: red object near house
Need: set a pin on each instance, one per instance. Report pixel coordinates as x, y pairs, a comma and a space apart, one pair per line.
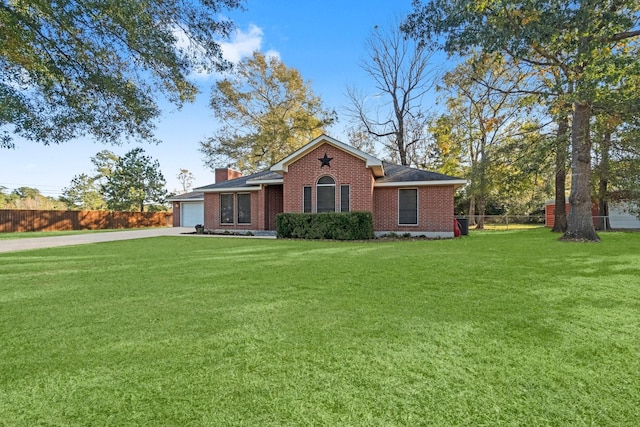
327, 175
456, 228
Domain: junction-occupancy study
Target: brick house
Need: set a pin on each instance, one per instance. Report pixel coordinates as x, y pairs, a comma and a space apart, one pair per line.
327, 175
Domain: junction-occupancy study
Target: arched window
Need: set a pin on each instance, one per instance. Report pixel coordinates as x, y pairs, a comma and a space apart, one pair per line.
326, 195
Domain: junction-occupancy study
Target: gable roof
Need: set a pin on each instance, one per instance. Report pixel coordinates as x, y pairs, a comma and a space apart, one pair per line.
386, 174
370, 161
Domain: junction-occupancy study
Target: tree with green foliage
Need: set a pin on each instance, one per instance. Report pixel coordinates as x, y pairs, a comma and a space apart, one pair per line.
76, 67
83, 193
444, 153
616, 173
29, 198
5, 197
105, 162
267, 111
586, 42
483, 114
136, 182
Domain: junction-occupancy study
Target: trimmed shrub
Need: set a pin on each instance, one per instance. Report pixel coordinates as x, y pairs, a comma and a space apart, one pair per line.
331, 225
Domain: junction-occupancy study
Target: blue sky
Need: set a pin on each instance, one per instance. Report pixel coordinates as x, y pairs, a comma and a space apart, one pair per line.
322, 39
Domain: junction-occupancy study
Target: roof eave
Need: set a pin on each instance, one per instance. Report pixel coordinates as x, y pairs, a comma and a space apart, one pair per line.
455, 182
265, 181
193, 199
229, 189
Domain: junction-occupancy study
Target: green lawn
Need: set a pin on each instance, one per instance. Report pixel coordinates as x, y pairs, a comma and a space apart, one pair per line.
499, 328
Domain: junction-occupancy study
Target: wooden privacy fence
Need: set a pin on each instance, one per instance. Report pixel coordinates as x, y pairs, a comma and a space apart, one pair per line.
36, 220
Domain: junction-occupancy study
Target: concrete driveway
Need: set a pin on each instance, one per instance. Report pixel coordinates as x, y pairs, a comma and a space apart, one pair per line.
24, 244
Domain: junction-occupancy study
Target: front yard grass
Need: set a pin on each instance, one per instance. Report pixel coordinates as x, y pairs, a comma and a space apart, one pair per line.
500, 328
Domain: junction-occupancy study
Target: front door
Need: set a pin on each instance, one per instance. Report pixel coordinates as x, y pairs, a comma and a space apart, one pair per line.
274, 204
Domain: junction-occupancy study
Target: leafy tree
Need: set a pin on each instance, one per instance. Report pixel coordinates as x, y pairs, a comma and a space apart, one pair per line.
401, 72
105, 162
267, 112
26, 192
444, 151
136, 181
77, 67
83, 193
484, 116
522, 166
616, 162
4, 197
586, 43
30, 198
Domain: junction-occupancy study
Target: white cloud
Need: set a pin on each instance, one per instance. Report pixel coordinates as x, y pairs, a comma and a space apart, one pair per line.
242, 44
272, 54
182, 40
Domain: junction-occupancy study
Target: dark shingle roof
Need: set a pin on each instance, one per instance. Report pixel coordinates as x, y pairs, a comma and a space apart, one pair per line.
242, 181
195, 195
398, 173
392, 173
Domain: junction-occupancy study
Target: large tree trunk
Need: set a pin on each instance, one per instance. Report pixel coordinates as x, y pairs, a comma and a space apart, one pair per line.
560, 215
580, 221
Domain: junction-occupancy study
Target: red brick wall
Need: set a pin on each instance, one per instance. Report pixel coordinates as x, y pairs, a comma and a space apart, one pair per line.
344, 169
212, 213
435, 209
176, 214
274, 200
435, 203
225, 174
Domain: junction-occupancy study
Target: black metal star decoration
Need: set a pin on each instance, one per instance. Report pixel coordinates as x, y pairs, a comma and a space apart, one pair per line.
325, 160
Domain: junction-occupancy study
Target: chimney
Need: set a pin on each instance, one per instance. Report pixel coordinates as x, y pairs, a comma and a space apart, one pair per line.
225, 174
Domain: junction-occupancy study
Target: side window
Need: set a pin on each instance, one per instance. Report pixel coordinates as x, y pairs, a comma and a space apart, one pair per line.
226, 208
344, 198
408, 206
306, 199
243, 202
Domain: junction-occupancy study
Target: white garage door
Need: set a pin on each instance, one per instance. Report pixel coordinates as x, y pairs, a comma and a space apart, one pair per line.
192, 214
